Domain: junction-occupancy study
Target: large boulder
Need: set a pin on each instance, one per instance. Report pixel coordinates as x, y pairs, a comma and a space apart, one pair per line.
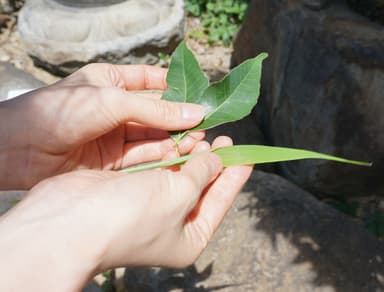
322, 89
277, 237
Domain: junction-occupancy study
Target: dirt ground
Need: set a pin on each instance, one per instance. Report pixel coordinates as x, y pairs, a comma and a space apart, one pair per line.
215, 60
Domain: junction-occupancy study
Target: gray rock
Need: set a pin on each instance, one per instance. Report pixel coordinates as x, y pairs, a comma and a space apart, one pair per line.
62, 37
277, 237
12, 78
322, 89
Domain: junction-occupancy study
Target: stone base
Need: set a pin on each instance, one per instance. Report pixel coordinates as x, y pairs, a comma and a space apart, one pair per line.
13, 79
63, 38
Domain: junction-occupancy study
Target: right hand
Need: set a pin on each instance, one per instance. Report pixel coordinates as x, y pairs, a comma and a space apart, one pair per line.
92, 221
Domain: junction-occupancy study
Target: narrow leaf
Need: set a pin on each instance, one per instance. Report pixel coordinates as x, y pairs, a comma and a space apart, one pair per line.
234, 97
249, 154
185, 79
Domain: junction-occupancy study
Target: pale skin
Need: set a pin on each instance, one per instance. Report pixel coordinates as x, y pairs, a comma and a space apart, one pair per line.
64, 143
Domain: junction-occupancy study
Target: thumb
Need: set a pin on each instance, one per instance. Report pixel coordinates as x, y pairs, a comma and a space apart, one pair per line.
156, 113
200, 171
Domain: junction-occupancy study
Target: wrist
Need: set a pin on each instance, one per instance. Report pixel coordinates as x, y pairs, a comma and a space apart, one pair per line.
12, 144
36, 252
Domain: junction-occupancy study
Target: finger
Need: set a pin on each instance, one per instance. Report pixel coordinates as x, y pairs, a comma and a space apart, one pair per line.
222, 141
200, 171
218, 199
139, 77
151, 112
152, 150
128, 77
155, 94
136, 132
201, 147
189, 142
107, 108
145, 151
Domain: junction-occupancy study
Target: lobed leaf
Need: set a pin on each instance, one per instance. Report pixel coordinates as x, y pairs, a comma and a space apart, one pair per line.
234, 97
226, 101
185, 79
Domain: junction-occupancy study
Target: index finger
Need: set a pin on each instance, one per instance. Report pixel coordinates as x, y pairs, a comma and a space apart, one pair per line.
141, 77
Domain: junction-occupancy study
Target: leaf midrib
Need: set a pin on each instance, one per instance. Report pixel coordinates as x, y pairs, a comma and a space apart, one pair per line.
229, 97
184, 77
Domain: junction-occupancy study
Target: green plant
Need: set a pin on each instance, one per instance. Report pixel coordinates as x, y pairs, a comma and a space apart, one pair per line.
228, 100
375, 224
220, 18
107, 285
371, 218
163, 59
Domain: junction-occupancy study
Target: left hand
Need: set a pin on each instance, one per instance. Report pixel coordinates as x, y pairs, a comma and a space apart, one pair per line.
91, 119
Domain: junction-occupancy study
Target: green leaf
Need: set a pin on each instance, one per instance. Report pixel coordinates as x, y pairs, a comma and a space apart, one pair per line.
234, 97
185, 79
249, 154
226, 101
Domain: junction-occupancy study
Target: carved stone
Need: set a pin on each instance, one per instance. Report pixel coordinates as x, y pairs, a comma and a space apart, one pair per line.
62, 35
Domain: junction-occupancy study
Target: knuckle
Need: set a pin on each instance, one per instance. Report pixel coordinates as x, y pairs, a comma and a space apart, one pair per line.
166, 110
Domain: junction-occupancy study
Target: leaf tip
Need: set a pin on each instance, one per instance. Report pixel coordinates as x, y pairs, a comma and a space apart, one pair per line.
263, 56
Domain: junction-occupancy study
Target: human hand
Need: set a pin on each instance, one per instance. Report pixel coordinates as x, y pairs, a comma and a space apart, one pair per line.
91, 119
84, 222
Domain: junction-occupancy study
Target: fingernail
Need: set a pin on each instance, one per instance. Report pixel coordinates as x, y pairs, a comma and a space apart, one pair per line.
192, 112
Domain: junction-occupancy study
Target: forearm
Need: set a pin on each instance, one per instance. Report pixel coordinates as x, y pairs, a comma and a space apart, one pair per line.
34, 258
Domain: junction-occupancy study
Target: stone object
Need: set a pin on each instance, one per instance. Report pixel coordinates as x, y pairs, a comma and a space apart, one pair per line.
62, 35
13, 79
322, 89
277, 237
10, 6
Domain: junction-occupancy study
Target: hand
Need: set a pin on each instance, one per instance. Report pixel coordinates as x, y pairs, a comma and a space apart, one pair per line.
75, 225
91, 119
